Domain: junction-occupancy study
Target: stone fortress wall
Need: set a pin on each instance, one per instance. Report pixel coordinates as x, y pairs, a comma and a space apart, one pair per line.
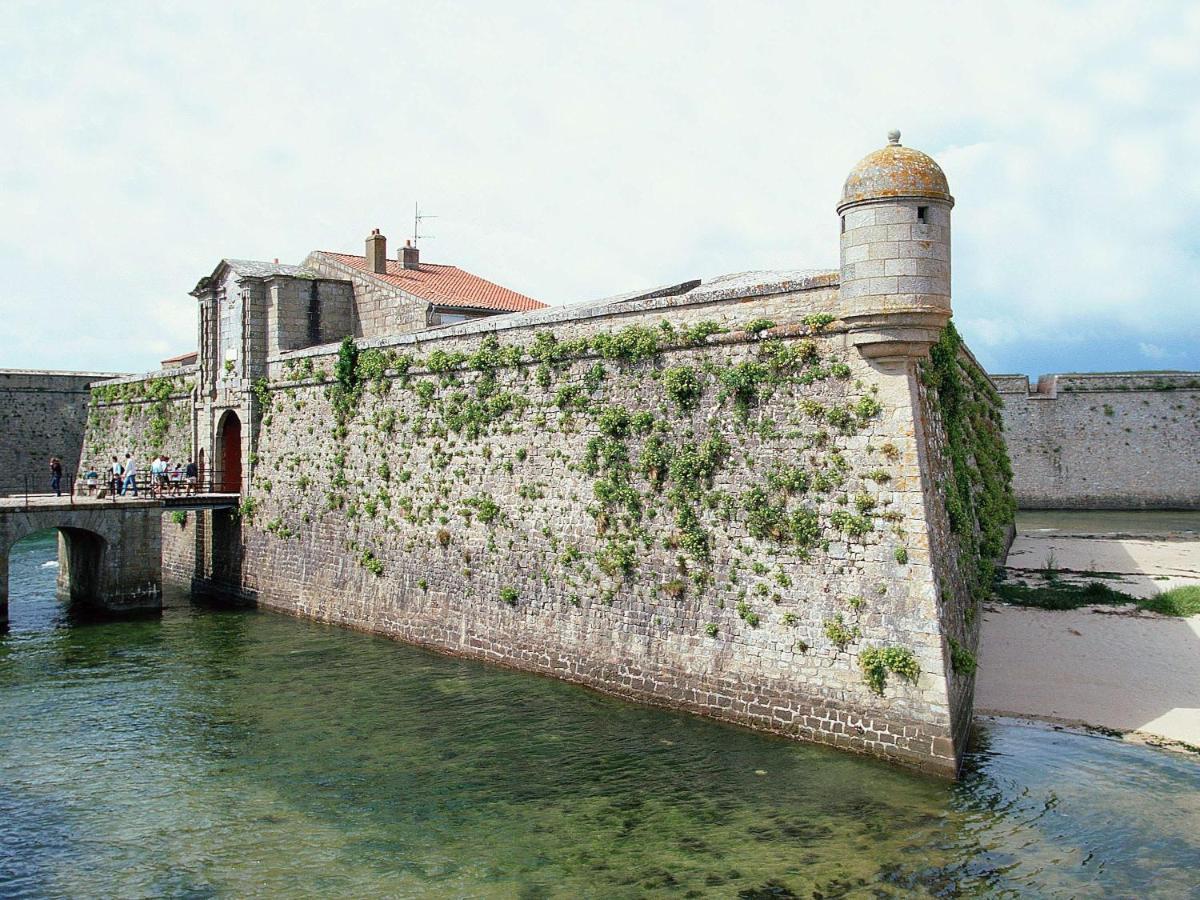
145, 415
729, 522
42, 414
1104, 441
776, 498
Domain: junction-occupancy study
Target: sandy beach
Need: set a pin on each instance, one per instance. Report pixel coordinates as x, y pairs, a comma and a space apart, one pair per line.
1109, 667
1098, 666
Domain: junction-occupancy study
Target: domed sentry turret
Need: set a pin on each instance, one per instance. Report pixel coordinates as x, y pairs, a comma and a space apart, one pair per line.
895, 211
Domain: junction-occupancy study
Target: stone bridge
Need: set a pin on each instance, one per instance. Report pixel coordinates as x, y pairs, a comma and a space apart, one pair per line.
109, 553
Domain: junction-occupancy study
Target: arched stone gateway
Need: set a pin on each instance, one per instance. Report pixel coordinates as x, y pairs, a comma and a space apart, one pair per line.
110, 559
229, 453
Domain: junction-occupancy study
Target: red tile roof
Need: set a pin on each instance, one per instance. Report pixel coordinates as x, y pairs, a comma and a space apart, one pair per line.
183, 359
444, 285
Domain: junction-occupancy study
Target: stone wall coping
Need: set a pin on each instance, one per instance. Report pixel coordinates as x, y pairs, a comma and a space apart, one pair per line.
57, 373
726, 289
173, 372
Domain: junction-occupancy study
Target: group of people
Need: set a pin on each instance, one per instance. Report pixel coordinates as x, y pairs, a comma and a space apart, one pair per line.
165, 478
174, 479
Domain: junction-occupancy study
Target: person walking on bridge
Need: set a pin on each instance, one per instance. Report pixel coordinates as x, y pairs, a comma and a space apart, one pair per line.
130, 475
56, 476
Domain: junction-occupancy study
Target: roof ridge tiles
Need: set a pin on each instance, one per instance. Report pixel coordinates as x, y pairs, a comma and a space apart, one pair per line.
441, 283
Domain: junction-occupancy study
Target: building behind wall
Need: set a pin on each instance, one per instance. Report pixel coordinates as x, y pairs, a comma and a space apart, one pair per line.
251, 312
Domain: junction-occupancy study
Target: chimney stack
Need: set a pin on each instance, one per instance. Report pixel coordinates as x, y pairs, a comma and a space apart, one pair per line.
377, 252
410, 256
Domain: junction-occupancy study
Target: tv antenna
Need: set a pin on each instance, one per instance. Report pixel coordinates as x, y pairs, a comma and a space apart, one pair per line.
417, 219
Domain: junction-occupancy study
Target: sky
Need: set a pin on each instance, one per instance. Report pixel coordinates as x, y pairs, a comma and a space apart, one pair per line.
577, 150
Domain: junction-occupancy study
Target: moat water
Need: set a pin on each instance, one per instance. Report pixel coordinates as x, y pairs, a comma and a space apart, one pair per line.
230, 754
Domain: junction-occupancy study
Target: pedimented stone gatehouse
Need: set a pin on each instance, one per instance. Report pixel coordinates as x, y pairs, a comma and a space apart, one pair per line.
251, 312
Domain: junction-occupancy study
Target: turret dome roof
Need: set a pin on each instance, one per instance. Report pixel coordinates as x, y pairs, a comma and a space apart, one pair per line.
895, 171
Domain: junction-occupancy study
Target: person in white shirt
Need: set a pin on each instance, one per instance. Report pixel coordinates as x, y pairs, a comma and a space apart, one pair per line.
157, 468
130, 475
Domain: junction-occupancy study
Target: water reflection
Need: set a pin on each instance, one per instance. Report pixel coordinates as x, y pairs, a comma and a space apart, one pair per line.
226, 753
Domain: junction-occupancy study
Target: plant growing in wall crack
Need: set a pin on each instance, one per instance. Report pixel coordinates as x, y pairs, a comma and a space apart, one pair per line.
369, 561
962, 660
748, 615
839, 633
877, 662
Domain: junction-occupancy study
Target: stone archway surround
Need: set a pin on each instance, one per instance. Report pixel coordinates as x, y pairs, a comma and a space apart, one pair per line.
227, 453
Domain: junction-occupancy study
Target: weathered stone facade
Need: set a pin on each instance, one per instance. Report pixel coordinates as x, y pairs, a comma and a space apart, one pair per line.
378, 524
1104, 441
762, 499
379, 309
42, 414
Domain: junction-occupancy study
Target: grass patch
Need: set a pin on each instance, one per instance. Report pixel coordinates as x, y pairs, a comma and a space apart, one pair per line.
1180, 601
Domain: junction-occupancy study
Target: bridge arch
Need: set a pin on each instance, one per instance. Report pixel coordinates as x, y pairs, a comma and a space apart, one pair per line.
81, 562
81, 555
109, 558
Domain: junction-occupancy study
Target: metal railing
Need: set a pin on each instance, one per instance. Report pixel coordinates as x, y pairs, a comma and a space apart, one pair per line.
66, 487
107, 486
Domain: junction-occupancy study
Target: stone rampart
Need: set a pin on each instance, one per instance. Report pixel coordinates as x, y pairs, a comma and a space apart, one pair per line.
42, 414
144, 415
1104, 441
707, 501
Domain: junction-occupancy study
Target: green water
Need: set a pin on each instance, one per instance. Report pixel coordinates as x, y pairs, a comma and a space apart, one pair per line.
231, 754
1093, 522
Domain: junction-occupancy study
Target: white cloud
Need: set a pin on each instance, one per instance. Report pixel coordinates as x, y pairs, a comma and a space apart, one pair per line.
574, 151
1153, 351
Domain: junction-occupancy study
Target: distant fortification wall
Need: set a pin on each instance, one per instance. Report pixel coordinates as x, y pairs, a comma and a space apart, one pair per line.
42, 414
719, 506
1104, 441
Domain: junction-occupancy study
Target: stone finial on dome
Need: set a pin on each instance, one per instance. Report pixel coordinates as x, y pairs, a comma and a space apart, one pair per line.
895, 172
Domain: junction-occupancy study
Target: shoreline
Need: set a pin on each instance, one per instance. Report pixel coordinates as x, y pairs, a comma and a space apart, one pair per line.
1140, 738
1115, 670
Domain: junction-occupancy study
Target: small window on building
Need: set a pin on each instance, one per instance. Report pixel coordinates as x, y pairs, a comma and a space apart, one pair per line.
843, 224
923, 215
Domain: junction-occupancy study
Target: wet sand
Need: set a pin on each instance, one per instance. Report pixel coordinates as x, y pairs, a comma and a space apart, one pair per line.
1098, 666
1113, 668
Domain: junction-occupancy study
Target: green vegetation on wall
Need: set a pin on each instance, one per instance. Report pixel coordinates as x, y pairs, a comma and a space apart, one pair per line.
877, 662
979, 497
145, 410
691, 467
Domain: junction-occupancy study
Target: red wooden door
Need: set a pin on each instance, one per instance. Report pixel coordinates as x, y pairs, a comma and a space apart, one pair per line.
231, 453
